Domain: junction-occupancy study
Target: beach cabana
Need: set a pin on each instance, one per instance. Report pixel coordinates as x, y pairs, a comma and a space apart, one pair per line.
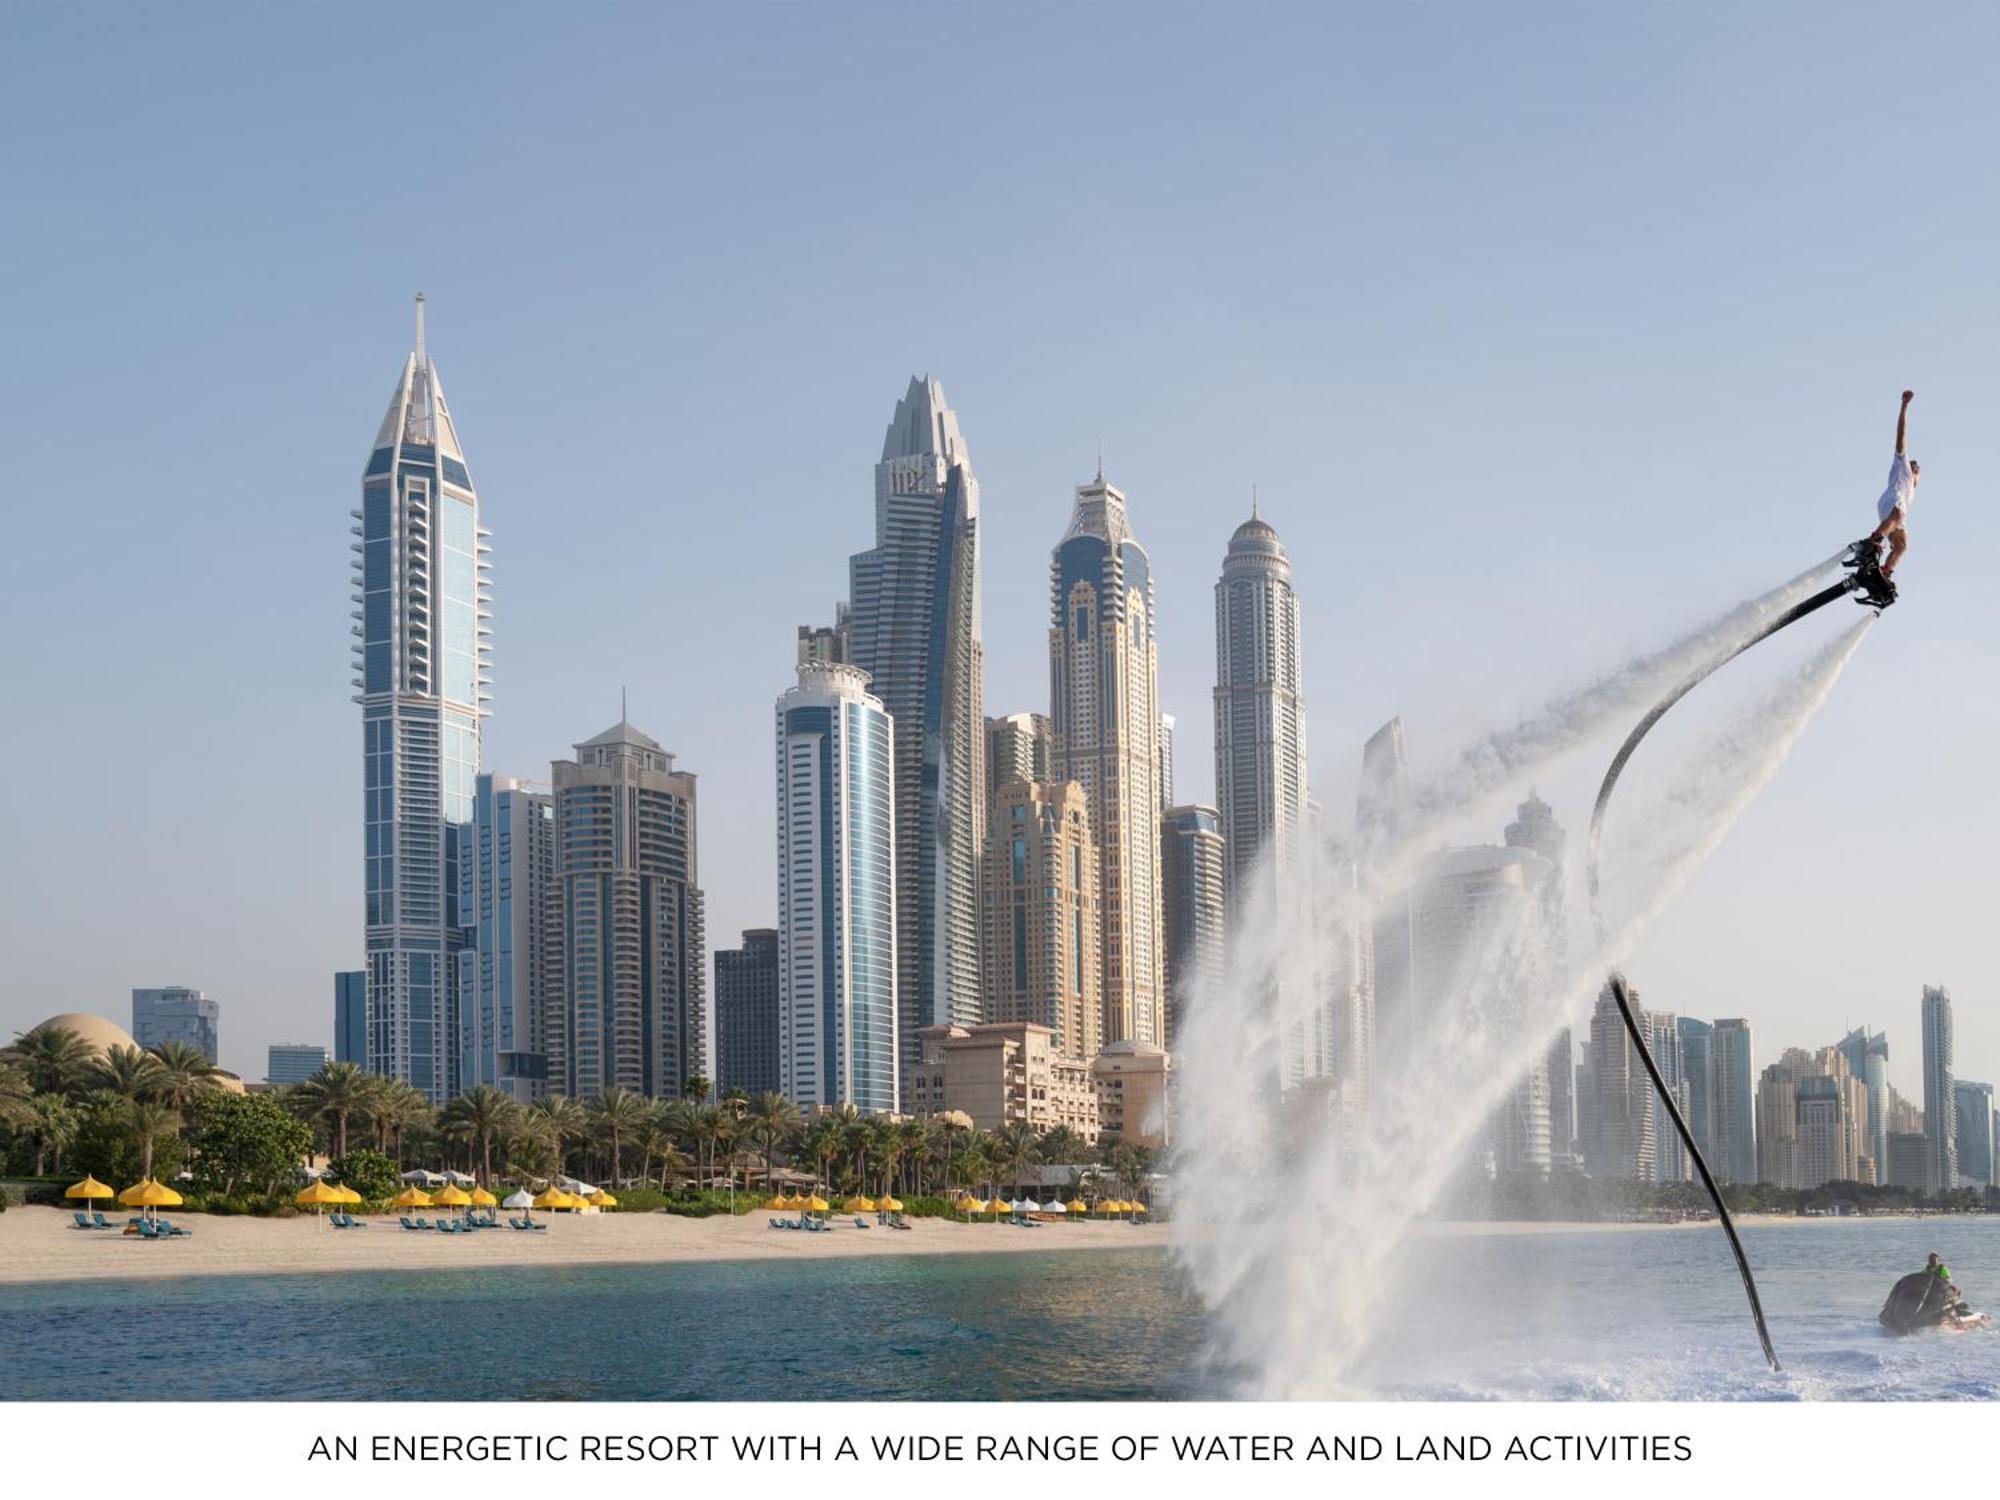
89, 1190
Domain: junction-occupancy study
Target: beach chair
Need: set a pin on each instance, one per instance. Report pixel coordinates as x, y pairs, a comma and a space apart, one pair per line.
102, 1222
171, 1231
83, 1221
147, 1231
404, 1219
536, 1224
860, 1223
423, 1223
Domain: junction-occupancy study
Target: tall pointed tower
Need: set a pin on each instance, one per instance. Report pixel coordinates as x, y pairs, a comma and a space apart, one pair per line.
1105, 714
914, 629
421, 626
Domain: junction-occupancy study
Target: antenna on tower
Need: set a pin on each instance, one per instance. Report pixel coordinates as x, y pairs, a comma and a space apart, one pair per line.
623, 716
420, 329
1253, 502
1100, 459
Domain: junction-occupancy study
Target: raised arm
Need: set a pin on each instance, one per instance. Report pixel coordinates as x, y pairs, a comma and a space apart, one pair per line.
1903, 418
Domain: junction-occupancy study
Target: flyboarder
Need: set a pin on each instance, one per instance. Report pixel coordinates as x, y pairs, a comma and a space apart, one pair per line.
1893, 509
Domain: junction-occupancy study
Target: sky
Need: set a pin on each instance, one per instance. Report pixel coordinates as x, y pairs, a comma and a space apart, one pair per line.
1542, 330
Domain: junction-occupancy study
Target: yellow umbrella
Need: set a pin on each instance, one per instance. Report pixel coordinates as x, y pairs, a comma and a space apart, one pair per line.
89, 1188
348, 1195
816, 1204
602, 1199
453, 1196
1078, 1206
778, 1203
890, 1205
553, 1197
484, 1199
149, 1194
858, 1206
1139, 1208
320, 1193
411, 1197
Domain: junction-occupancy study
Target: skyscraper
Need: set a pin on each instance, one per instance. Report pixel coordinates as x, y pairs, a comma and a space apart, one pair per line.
1624, 1138
632, 970
1260, 712
1535, 827
1732, 1102
177, 1014
1193, 870
1974, 1133
421, 607
1867, 1056
1378, 816
746, 1015
293, 1062
1663, 1039
1940, 1102
1697, 1066
1041, 893
1019, 747
1166, 761
511, 1004
838, 1015
350, 1016
1105, 711
914, 629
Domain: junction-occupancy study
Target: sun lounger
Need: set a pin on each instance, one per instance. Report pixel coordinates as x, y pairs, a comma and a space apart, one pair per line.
423, 1223
147, 1231
102, 1222
83, 1221
860, 1223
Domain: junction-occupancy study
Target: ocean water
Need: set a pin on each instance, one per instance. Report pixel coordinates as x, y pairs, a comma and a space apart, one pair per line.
1604, 1315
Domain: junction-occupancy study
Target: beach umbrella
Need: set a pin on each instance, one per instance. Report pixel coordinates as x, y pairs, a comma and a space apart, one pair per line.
1078, 1206
1138, 1209
777, 1203
552, 1198
890, 1205
484, 1199
411, 1197
816, 1204
601, 1199
1054, 1206
89, 1189
149, 1194
1030, 1206
318, 1196
858, 1206
347, 1194
451, 1195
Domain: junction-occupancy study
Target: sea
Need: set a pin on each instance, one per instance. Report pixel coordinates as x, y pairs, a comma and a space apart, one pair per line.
1587, 1315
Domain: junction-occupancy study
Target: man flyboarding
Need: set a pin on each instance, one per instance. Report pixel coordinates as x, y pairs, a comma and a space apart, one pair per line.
1893, 509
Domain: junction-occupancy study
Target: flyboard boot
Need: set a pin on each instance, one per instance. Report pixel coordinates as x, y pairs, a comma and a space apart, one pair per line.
1864, 561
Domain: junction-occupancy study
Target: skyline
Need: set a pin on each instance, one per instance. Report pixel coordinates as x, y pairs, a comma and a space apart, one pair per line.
1741, 399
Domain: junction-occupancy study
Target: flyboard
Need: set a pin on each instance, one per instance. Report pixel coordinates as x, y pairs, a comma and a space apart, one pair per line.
1876, 592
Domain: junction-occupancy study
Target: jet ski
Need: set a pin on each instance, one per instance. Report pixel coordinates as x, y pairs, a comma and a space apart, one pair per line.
1863, 560
1923, 1301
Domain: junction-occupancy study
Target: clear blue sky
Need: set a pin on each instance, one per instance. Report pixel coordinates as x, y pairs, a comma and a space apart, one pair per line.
1542, 329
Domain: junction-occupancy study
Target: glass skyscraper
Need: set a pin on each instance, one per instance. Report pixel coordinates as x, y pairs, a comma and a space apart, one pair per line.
420, 648
510, 897
914, 629
176, 1014
837, 910
1940, 1099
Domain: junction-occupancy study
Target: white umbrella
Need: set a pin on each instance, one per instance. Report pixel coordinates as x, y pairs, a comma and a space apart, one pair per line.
1056, 1207
1030, 1206
521, 1199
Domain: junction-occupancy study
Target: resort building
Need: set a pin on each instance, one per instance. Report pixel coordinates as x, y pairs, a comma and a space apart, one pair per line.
293, 1062
1133, 1082
631, 964
1041, 895
914, 630
837, 871
177, 1014
1004, 1073
1193, 875
747, 1050
1105, 713
350, 1017
510, 1002
421, 677
1940, 1104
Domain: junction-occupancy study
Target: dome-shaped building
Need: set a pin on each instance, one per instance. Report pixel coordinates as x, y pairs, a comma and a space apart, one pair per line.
97, 1033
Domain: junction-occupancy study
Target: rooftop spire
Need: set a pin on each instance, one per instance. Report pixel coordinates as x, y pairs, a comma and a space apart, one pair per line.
1253, 502
421, 360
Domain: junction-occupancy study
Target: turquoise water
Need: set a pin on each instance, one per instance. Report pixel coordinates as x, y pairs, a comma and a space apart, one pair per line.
1617, 1315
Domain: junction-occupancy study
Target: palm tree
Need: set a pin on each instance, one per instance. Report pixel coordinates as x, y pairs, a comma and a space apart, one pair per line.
712, 1127
336, 1091
56, 1059
772, 1117
148, 1122
17, 1099
566, 1120
654, 1142
913, 1139
184, 1071
394, 1108
127, 1072
822, 1141
618, 1113
479, 1115
697, 1089
1016, 1149
52, 1122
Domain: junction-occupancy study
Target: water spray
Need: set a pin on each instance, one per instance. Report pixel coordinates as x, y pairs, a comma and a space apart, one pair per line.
1878, 593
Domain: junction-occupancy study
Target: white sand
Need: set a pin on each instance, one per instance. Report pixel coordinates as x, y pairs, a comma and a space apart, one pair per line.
43, 1244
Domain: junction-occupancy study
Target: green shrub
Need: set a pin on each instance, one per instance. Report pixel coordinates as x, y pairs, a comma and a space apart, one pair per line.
3, 1200
369, 1173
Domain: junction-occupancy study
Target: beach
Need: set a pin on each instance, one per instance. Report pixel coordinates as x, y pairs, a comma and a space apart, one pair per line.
43, 1244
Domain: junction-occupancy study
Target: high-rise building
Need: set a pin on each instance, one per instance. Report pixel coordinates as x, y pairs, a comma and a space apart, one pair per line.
1193, 871
1778, 1126
1909, 1159
914, 629
1732, 1077
421, 657
1867, 1055
1166, 761
1378, 818
1663, 1040
1041, 894
293, 1062
350, 1017
632, 967
1535, 827
838, 1015
1019, 747
1697, 1069
1260, 711
747, 1052
513, 1000
1940, 1105
1974, 1133
1624, 1135
1105, 711
176, 1013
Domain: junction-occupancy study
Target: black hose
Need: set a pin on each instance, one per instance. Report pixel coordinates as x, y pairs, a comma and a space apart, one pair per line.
1619, 991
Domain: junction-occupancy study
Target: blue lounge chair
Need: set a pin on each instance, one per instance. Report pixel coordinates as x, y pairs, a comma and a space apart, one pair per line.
102, 1222
147, 1231
83, 1221
423, 1223
860, 1223
535, 1223
404, 1219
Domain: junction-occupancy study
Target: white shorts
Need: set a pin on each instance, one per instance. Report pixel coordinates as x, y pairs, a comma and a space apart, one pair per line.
1885, 510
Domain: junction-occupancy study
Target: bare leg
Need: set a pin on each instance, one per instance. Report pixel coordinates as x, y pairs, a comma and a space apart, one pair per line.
1899, 541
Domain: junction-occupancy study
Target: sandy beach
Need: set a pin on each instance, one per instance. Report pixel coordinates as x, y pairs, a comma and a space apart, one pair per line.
43, 1244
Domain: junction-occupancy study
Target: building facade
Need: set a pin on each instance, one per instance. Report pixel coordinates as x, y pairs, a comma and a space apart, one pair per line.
838, 1016
1041, 894
1260, 710
350, 1017
1193, 877
914, 629
1019, 747
1105, 713
1134, 1083
175, 1013
1623, 1138
422, 664
1867, 1055
1697, 1070
293, 1062
1940, 1103
747, 1055
631, 964
1004, 1073
511, 1003
1974, 1134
